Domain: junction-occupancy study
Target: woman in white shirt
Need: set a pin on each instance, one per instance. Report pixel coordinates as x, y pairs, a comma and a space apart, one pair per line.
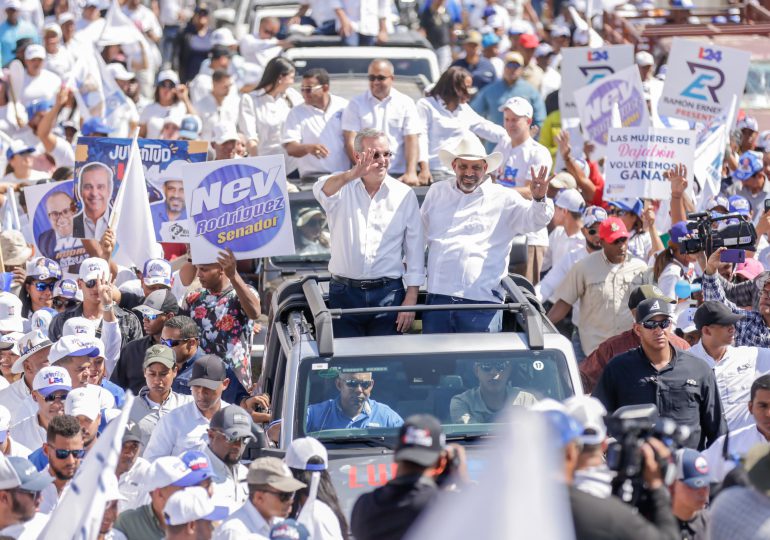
171, 98
672, 264
263, 111
19, 169
446, 117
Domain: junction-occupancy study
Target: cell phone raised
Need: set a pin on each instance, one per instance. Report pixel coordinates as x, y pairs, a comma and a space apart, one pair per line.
767, 205
733, 256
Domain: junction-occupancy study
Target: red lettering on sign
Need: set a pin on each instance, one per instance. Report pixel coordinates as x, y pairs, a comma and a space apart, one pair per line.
352, 480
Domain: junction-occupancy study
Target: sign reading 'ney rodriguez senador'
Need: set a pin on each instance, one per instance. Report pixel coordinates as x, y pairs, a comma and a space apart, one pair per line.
240, 204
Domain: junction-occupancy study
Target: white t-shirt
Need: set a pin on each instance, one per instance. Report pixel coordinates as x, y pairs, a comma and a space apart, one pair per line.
44, 86
155, 114
560, 244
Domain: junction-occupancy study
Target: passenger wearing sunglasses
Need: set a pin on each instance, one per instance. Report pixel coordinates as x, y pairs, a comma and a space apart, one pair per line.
66, 295
353, 408
65, 452
37, 292
20, 498
49, 391
494, 394
681, 385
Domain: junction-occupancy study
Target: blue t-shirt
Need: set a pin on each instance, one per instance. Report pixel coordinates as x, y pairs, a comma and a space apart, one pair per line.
483, 73
10, 34
328, 415
117, 392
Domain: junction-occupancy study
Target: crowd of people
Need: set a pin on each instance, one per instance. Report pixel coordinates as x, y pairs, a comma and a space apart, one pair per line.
649, 321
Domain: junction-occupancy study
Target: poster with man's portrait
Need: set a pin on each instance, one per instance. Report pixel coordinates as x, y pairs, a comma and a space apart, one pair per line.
100, 166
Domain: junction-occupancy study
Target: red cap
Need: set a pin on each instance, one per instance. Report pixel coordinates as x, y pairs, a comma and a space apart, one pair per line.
613, 228
529, 41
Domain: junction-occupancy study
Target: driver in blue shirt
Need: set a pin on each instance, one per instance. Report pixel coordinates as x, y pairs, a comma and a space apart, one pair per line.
353, 408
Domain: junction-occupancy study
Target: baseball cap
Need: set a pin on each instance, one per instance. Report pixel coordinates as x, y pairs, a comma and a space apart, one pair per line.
233, 421
720, 201
289, 529
12, 4
78, 326
472, 37
520, 26
40, 105
679, 232
652, 307
302, 450
68, 288
95, 124
208, 371
749, 164
43, 268
17, 147
644, 59
739, 205
612, 229
190, 127
76, 345
157, 272
119, 72
11, 341
563, 425
749, 269
711, 312
94, 268
420, 440
273, 472
192, 504
692, 468
10, 313
633, 206
52, 27
165, 471
544, 49
748, 122
590, 412
593, 215
685, 321
19, 472
167, 75
529, 41
560, 31
223, 36
198, 469
160, 354
159, 302
51, 379
14, 247
224, 132
41, 319
489, 39
645, 292
514, 57
34, 51
571, 200
83, 401
65, 17
218, 51
763, 141
518, 106
132, 433
563, 180
29, 344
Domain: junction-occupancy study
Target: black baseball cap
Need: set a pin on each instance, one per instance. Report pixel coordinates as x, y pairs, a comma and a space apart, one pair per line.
233, 421
645, 292
714, 313
420, 440
208, 371
652, 307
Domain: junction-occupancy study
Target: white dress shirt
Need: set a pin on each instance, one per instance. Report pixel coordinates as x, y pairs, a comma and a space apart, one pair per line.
445, 128
741, 441
364, 15
469, 236
96, 229
131, 485
372, 236
396, 116
246, 521
261, 118
50, 497
560, 244
182, 429
735, 372
307, 125
17, 398
213, 114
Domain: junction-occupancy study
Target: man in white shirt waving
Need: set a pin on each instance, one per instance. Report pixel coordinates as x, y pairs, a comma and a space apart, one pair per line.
375, 226
469, 225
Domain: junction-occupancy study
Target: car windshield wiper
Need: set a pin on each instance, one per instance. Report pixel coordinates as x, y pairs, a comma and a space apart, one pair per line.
369, 440
468, 436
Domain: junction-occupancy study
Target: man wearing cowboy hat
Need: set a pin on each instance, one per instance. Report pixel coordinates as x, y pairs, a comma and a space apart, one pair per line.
470, 225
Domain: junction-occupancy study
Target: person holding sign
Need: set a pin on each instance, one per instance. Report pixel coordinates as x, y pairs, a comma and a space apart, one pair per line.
374, 219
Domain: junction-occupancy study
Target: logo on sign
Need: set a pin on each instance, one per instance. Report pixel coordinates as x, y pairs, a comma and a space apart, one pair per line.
55, 379
595, 56
594, 73
708, 79
709, 55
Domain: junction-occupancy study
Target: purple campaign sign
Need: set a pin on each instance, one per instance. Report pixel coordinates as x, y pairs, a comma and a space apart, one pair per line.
630, 103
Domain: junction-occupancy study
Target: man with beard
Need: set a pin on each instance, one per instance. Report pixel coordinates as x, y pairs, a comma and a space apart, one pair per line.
229, 432
20, 487
173, 207
64, 450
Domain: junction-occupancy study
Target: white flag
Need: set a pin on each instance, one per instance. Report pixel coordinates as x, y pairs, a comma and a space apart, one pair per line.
119, 28
86, 84
118, 108
131, 219
712, 139
79, 513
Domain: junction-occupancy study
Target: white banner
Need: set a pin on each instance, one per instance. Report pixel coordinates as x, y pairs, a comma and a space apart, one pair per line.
702, 79
583, 65
240, 204
637, 158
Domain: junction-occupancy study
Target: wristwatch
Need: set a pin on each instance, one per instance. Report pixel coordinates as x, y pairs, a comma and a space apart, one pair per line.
108, 307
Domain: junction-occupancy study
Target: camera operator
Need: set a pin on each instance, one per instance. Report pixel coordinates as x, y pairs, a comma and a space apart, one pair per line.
681, 386
754, 328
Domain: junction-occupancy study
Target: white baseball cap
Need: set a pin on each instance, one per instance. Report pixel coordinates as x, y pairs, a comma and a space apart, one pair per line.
29, 344
79, 345
518, 106
164, 471
571, 200
644, 59
301, 450
94, 268
590, 412
41, 319
192, 504
83, 401
225, 132
223, 36
78, 326
168, 75
157, 272
52, 27
51, 379
685, 321
11, 341
119, 72
10, 313
33, 51
65, 17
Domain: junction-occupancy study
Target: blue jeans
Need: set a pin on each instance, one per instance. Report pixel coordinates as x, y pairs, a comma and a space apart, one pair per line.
456, 322
359, 40
380, 324
169, 49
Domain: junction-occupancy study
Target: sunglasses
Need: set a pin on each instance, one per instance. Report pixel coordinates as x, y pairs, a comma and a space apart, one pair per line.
59, 303
50, 398
513, 65
64, 454
167, 84
652, 325
149, 317
231, 440
617, 212
386, 155
488, 367
592, 231
282, 496
355, 383
41, 286
309, 89
378, 78
171, 342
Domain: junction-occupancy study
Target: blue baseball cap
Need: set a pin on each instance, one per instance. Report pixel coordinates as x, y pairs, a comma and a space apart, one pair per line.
593, 215
38, 106
289, 529
692, 468
18, 147
749, 164
95, 124
487, 40
739, 205
679, 232
198, 469
634, 206
564, 426
190, 127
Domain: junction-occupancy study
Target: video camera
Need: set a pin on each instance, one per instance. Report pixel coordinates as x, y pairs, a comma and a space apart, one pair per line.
741, 235
631, 426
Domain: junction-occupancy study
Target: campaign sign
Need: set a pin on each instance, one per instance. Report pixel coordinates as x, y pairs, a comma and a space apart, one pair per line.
702, 79
595, 103
51, 208
100, 166
638, 158
585, 65
240, 204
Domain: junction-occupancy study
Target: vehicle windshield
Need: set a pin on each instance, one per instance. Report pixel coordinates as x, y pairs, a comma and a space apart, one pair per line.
311, 232
411, 67
368, 397
757, 94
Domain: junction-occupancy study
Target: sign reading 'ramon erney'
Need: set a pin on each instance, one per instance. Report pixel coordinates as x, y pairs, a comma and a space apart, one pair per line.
240, 204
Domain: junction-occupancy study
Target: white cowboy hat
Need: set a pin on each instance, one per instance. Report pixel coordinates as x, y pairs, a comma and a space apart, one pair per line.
470, 148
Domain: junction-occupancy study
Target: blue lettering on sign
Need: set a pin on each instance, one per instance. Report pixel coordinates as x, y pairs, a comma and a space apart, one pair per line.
594, 56
712, 80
